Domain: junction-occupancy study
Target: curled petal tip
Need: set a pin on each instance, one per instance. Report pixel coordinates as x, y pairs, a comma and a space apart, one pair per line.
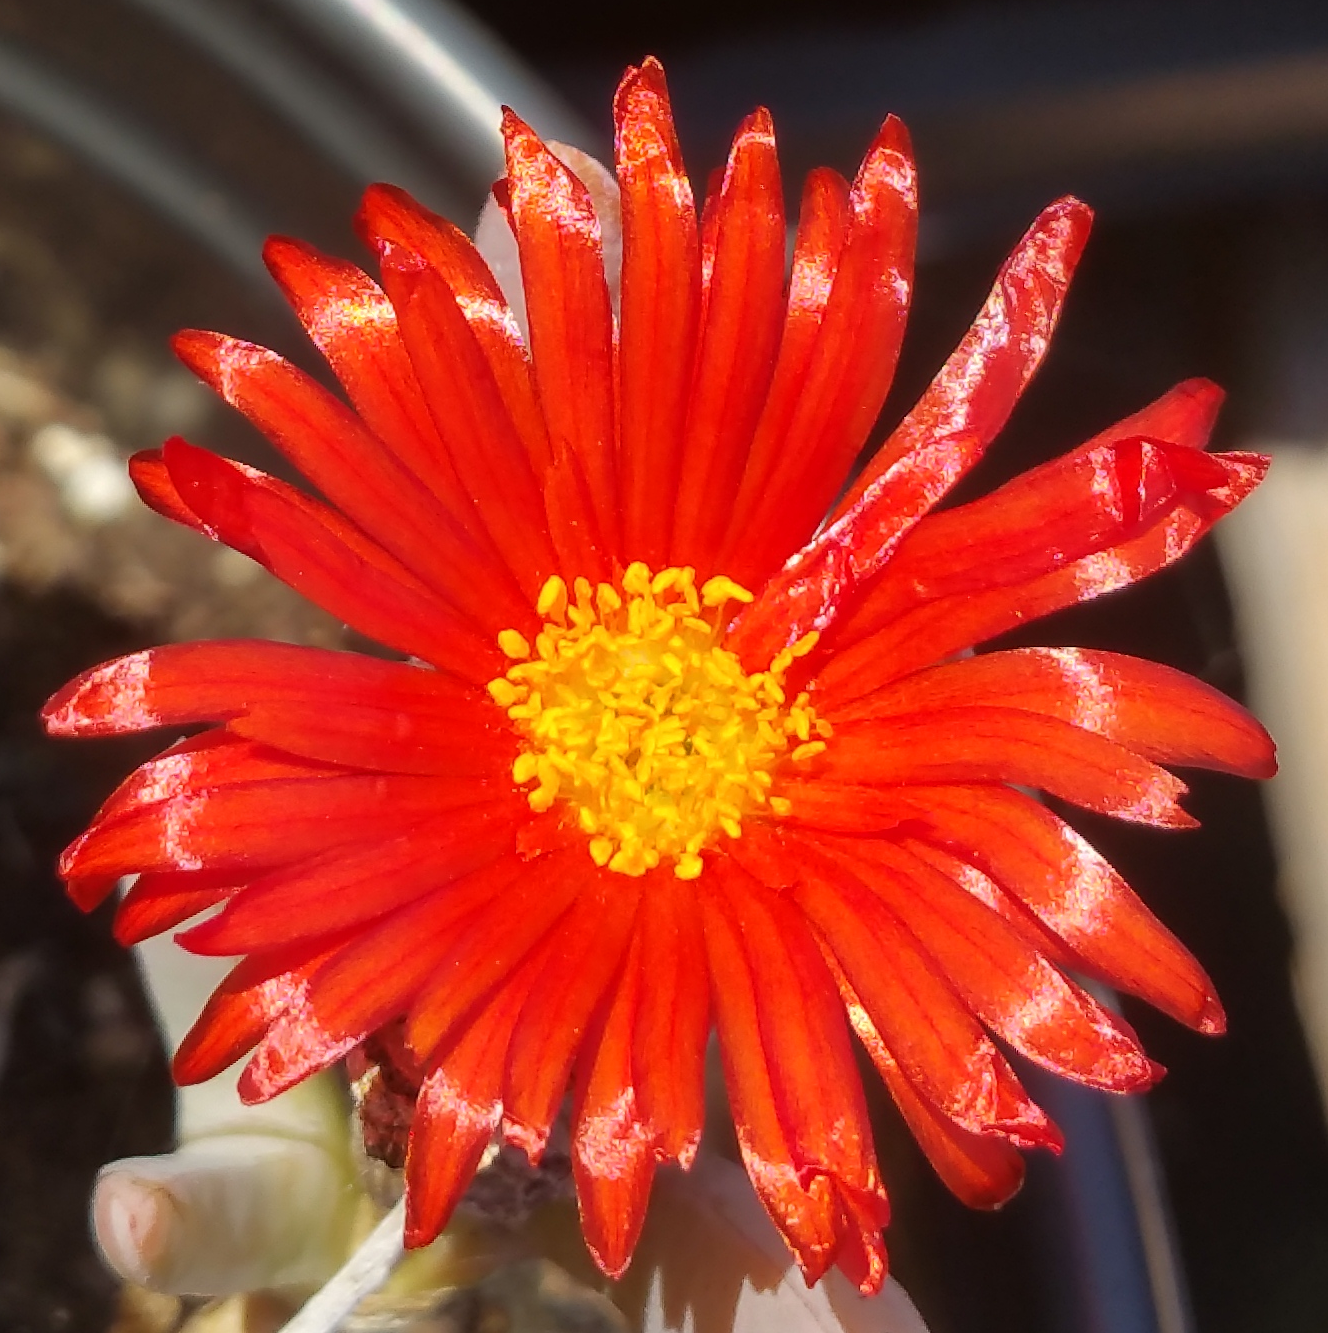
1213, 1020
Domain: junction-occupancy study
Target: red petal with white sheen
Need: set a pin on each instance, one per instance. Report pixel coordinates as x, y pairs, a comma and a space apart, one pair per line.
823, 226
255, 993
806, 593
355, 885
390, 218
494, 945
932, 1033
796, 1097
567, 302
977, 388
324, 557
332, 447
1157, 712
1071, 889
792, 476
981, 1170
457, 1111
992, 744
157, 902
350, 320
613, 1158
254, 825
373, 979
586, 951
660, 307
1098, 519
743, 313
374, 714
1020, 995
471, 416
674, 1015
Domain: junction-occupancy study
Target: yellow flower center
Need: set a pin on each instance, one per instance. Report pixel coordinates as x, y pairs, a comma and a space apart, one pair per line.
636, 716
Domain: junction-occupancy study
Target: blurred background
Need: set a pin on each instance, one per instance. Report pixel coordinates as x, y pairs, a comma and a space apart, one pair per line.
147, 146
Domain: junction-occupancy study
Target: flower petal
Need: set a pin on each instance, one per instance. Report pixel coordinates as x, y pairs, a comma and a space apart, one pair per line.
738, 342
1098, 519
930, 1031
350, 320
332, 447
661, 301
352, 886
992, 744
458, 1109
373, 979
252, 826
1016, 992
981, 1170
803, 449
254, 994
495, 944
1157, 712
613, 1141
1045, 865
156, 902
795, 1093
571, 322
977, 388
337, 707
673, 1015
312, 549
390, 218
468, 409
586, 951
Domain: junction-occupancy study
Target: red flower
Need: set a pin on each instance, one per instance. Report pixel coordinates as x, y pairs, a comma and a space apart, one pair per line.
614, 798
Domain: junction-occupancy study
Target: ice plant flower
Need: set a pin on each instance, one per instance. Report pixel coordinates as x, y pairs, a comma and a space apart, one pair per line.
665, 749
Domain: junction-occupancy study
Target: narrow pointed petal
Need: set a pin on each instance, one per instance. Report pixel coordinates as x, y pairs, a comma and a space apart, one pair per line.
738, 342
931, 1032
325, 558
254, 994
613, 1158
495, 945
571, 322
994, 744
823, 227
457, 1111
797, 1102
352, 886
155, 903
1071, 889
332, 447
981, 1170
806, 594
350, 320
1098, 519
793, 475
660, 306
374, 713
391, 221
674, 1015
977, 388
1015, 991
1159, 713
373, 979
468, 409
254, 825
586, 952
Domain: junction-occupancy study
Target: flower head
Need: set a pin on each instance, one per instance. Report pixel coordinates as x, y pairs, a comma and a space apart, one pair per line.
666, 752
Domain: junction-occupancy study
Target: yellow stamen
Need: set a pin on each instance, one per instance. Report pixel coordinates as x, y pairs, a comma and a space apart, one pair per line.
652, 732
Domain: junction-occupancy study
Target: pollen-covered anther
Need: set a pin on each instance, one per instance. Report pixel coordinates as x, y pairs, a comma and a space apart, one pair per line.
636, 716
